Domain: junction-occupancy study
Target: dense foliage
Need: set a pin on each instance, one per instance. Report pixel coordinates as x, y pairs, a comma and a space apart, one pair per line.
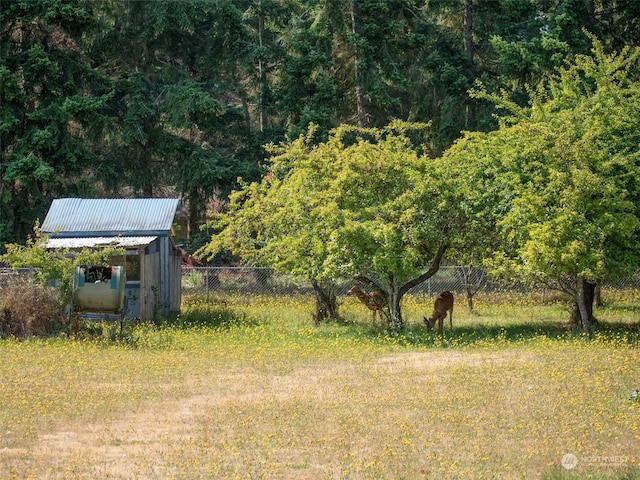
103, 98
551, 196
557, 183
363, 205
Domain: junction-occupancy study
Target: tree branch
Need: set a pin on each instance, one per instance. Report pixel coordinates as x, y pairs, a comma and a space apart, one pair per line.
435, 265
372, 284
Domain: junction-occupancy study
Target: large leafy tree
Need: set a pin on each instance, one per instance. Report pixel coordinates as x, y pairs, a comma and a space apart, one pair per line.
362, 205
559, 180
104, 97
364, 62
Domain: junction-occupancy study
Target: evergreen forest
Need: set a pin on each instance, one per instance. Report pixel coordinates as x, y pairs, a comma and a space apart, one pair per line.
111, 98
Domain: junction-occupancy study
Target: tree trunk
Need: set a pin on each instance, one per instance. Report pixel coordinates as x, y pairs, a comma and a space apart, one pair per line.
468, 32
473, 279
393, 293
589, 292
467, 35
262, 109
597, 295
395, 310
466, 275
584, 301
326, 303
469, 303
355, 30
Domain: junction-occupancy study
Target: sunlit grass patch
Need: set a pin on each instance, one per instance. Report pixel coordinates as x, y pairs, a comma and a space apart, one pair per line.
48, 381
250, 388
452, 415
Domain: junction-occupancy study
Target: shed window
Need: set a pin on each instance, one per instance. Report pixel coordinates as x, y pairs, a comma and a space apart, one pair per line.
133, 266
131, 262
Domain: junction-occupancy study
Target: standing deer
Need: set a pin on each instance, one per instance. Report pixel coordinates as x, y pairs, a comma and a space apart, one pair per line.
373, 301
443, 303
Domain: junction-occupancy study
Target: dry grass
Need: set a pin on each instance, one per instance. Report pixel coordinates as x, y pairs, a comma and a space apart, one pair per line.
254, 391
27, 309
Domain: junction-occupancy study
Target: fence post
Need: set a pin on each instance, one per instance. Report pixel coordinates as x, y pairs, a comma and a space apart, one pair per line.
206, 281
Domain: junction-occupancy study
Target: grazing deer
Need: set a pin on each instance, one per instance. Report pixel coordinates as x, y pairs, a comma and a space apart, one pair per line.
373, 301
443, 303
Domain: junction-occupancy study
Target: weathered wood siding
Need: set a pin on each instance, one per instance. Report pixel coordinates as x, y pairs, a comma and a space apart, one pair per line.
175, 279
149, 285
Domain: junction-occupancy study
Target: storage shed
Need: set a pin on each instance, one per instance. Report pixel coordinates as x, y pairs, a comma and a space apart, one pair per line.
143, 227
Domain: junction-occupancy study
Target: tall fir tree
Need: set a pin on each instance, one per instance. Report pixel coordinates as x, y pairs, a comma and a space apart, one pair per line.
51, 106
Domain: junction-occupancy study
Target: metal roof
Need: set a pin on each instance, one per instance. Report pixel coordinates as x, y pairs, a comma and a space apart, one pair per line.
105, 217
88, 242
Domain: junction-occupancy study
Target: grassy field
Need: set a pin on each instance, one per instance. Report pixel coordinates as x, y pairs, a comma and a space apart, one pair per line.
249, 389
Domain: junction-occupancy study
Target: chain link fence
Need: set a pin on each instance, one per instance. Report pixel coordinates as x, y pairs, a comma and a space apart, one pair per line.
463, 280
207, 282
255, 280
8, 274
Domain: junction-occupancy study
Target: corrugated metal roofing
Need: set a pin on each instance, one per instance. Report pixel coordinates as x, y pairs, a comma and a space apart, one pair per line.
92, 217
88, 242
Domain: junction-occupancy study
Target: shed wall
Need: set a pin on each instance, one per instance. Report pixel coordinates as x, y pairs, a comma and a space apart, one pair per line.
149, 282
175, 279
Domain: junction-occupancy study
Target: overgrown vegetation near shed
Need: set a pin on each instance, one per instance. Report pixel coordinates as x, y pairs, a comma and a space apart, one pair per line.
28, 309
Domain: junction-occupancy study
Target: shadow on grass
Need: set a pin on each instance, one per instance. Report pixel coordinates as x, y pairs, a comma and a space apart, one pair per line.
210, 316
213, 317
625, 333
128, 333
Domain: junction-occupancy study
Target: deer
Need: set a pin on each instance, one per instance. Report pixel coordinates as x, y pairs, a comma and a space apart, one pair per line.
373, 301
443, 303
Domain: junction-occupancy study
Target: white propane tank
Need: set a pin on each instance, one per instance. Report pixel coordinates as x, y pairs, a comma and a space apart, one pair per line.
98, 289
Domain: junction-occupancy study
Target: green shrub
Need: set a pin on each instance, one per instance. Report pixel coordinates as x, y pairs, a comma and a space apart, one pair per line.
33, 306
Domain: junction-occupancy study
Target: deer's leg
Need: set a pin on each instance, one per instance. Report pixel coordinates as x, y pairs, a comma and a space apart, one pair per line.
440, 322
451, 318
